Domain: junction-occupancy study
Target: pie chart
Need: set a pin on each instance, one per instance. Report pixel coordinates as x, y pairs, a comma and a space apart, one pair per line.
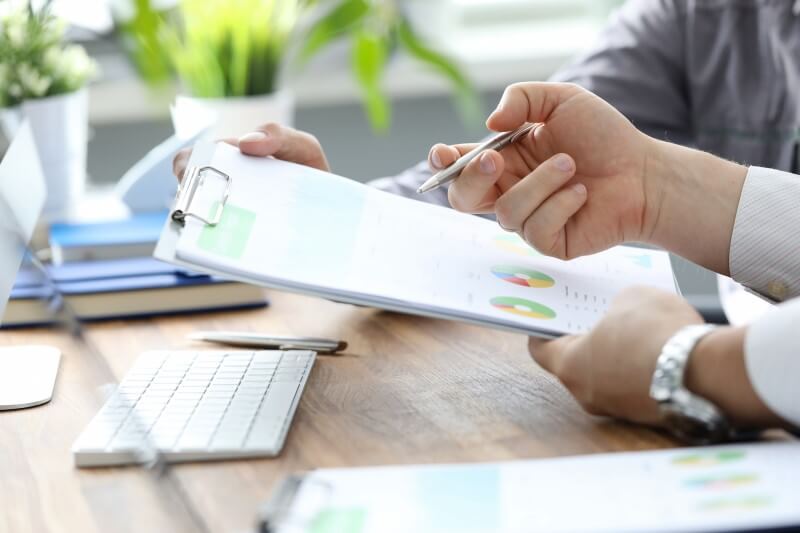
523, 276
523, 307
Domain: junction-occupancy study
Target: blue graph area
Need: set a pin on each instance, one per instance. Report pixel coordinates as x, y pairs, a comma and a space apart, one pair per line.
463, 499
644, 261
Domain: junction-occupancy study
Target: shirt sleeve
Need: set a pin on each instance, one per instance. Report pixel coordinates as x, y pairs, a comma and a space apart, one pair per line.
638, 65
638, 59
407, 182
772, 358
765, 244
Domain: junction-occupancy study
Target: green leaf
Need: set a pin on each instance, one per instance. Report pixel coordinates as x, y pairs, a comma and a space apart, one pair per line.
466, 97
141, 38
339, 22
370, 52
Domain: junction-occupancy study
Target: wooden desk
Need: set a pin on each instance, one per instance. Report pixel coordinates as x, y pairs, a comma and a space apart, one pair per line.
409, 390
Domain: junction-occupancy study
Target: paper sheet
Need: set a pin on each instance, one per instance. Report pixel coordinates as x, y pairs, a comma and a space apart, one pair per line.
294, 227
723, 488
22, 196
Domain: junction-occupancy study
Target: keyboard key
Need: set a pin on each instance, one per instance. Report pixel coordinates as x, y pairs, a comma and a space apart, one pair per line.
279, 399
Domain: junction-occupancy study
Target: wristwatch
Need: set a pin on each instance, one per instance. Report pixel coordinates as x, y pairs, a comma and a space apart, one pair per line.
687, 415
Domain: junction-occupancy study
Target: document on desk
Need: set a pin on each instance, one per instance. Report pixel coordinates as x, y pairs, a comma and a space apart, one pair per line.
292, 227
723, 488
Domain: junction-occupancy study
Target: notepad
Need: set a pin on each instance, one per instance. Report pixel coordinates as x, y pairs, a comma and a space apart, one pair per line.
292, 227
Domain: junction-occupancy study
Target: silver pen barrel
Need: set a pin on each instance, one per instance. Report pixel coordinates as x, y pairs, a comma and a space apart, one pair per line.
452, 172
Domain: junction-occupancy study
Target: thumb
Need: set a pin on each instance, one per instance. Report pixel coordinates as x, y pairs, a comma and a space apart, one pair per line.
549, 353
529, 102
286, 144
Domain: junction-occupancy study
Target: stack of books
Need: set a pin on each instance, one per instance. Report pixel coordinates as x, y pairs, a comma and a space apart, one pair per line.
105, 271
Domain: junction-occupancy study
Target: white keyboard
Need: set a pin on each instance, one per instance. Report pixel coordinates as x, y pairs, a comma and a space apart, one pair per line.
197, 406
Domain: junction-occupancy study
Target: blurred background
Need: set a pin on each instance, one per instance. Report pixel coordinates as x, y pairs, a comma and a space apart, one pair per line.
491, 42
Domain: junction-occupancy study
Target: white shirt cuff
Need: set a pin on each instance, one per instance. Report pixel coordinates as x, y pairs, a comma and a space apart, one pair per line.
772, 358
765, 244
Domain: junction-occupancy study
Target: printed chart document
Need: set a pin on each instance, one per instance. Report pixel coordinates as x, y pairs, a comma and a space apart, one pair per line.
722, 488
293, 227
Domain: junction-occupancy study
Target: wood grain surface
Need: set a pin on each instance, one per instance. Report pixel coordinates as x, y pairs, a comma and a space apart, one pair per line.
408, 390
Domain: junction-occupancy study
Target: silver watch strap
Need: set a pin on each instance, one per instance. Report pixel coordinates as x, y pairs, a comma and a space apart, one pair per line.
671, 366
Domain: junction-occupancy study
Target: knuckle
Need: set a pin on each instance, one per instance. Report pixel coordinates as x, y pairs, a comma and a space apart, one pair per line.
533, 235
517, 87
455, 199
504, 212
271, 128
311, 140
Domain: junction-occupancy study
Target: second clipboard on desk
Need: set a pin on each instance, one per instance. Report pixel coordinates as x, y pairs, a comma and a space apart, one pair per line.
291, 227
741, 487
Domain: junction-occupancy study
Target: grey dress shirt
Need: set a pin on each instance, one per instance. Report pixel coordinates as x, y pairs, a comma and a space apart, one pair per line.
722, 76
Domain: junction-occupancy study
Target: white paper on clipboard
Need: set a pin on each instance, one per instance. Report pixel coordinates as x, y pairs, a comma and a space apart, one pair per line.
291, 227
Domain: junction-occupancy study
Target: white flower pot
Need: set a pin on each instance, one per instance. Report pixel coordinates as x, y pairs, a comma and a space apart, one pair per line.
231, 117
10, 120
60, 126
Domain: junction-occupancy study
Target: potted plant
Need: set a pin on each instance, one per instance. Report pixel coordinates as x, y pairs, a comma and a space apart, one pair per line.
43, 80
230, 55
226, 55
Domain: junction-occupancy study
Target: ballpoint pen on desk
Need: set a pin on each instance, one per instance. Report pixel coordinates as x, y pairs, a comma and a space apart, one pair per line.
260, 340
453, 171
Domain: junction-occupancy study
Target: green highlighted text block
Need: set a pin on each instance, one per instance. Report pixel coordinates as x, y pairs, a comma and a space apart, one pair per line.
229, 237
337, 520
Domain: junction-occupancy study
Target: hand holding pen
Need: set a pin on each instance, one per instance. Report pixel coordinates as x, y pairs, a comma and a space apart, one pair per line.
572, 185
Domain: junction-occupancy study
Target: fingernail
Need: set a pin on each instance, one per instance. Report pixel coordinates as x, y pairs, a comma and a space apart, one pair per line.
563, 162
436, 160
252, 137
487, 164
579, 188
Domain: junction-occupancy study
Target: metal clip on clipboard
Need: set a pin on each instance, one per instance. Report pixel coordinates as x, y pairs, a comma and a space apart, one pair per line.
276, 513
193, 179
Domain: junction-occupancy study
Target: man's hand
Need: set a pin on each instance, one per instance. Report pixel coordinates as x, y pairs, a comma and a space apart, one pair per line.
564, 205
609, 370
270, 140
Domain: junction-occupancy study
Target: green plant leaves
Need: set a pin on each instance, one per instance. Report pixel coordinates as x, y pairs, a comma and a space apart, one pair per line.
217, 48
225, 48
375, 27
340, 21
468, 103
36, 61
141, 39
369, 56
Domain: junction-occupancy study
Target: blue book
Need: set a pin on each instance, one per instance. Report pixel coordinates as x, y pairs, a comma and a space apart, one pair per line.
124, 288
135, 236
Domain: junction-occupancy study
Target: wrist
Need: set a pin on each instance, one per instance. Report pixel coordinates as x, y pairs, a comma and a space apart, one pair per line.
691, 203
716, 371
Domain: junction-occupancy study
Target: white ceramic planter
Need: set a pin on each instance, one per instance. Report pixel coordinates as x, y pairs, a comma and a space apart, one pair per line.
60, 126
231, 117
10, 120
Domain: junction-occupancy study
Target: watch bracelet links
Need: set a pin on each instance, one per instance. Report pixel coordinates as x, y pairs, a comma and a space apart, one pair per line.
674, 356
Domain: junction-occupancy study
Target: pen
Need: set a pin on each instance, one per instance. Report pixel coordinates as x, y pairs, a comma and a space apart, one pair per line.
453, 171
258, 340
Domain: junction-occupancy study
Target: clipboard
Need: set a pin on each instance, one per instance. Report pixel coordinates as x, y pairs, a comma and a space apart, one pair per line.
501, 300
741, 487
